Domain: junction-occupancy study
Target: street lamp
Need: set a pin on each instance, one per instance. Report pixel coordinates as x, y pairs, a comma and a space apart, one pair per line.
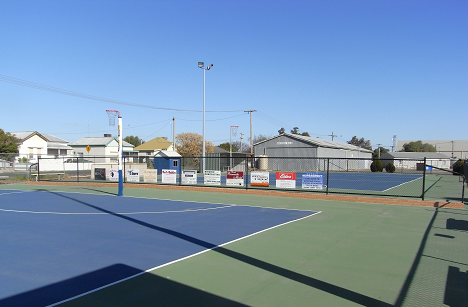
201, 65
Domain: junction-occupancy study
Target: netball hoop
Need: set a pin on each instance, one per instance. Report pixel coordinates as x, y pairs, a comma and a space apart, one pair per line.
112, 114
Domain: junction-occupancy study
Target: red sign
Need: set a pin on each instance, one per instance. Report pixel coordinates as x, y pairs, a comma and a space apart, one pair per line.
235, 175
285, 176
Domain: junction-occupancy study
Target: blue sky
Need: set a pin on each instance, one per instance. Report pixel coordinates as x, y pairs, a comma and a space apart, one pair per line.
369, 69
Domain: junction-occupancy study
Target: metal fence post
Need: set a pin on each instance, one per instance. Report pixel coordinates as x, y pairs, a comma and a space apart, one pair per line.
424, 180
328, 173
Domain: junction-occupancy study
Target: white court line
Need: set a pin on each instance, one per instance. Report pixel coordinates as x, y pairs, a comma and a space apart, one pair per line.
401, 184
122, 213
178, 260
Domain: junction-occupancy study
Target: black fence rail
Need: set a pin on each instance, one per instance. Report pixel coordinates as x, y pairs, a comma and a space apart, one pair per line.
408, 178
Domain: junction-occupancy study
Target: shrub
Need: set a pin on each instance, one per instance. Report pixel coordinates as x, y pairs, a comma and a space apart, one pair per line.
458, 166
376, 166
390, 168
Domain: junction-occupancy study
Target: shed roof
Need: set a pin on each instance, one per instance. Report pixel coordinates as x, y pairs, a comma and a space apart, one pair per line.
320, 142
154, 144
413, 155
167, 154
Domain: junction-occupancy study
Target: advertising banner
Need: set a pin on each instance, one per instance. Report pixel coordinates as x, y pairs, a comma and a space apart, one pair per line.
133, 175
259, 179
189, 177
150, 175
169, 176
286, 180
312, 181
114, 174
235, 178
212, 177
99, 174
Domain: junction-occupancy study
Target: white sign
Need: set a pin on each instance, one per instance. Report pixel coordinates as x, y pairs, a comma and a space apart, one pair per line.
286, 180
133, 175
212, 177
312, 181
189, 177
150, 175
114, 174
260, 179
169, 176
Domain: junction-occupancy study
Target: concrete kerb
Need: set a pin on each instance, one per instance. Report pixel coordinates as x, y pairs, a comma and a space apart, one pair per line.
349, 198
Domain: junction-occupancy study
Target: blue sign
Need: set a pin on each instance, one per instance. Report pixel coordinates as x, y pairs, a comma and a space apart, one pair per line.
312, 181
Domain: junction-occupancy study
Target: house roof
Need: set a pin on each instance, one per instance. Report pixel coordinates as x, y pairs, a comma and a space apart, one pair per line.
97, 141
24, 135
413, 155
218, 149
158, 143
167, 153
320, 142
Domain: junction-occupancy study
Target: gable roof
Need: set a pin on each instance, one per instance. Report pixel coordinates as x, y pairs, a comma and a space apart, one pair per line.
167, 154
320, 142
154, 144
97, 141
24, 135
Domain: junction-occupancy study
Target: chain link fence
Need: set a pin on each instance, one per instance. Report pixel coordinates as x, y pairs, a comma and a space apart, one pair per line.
408, 178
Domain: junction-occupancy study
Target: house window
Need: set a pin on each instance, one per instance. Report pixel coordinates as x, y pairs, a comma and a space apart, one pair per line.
175, 163
31, 153
39, 152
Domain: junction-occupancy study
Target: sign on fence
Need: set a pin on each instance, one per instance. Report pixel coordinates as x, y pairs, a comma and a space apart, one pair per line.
189, 177
99, 174
169, 176
312, 181
260, 179
235, 178
150, 175
286, 180
212, 177
133, 175
114, 174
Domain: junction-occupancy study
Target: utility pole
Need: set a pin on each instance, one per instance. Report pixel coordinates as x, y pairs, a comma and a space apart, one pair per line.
173, 133
378, 146
241, 137
251, 134
333, 135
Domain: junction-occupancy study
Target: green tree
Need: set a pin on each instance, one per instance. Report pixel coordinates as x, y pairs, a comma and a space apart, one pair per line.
296, 131
227, 146
418, 146
376, 166
360, 143
376, 154
134, 140
281, 131
8, 144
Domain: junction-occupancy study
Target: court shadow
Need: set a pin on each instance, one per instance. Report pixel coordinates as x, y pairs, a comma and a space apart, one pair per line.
456, 288
100, 191
144, 290
457, 224
286, 273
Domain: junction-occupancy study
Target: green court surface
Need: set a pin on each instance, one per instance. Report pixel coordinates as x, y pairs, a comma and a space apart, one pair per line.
351, 254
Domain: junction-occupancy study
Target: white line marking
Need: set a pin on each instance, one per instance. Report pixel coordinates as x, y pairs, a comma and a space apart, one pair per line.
122, 213
401, 184
178, 260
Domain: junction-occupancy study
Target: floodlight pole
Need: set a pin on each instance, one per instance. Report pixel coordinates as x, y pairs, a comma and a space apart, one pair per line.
201, 65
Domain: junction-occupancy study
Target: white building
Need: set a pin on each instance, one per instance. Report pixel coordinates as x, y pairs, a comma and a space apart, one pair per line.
34, 144
100, 149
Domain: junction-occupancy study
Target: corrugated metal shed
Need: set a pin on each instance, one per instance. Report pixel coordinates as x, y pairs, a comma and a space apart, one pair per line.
414, 155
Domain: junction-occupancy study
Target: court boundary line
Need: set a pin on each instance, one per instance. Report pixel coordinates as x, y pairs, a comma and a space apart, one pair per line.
178, 260
172, 200
402, 184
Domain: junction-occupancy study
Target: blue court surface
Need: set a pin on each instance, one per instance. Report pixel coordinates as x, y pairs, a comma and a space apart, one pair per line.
58, 245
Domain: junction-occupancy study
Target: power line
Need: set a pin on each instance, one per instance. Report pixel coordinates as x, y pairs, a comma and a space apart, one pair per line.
91, 97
